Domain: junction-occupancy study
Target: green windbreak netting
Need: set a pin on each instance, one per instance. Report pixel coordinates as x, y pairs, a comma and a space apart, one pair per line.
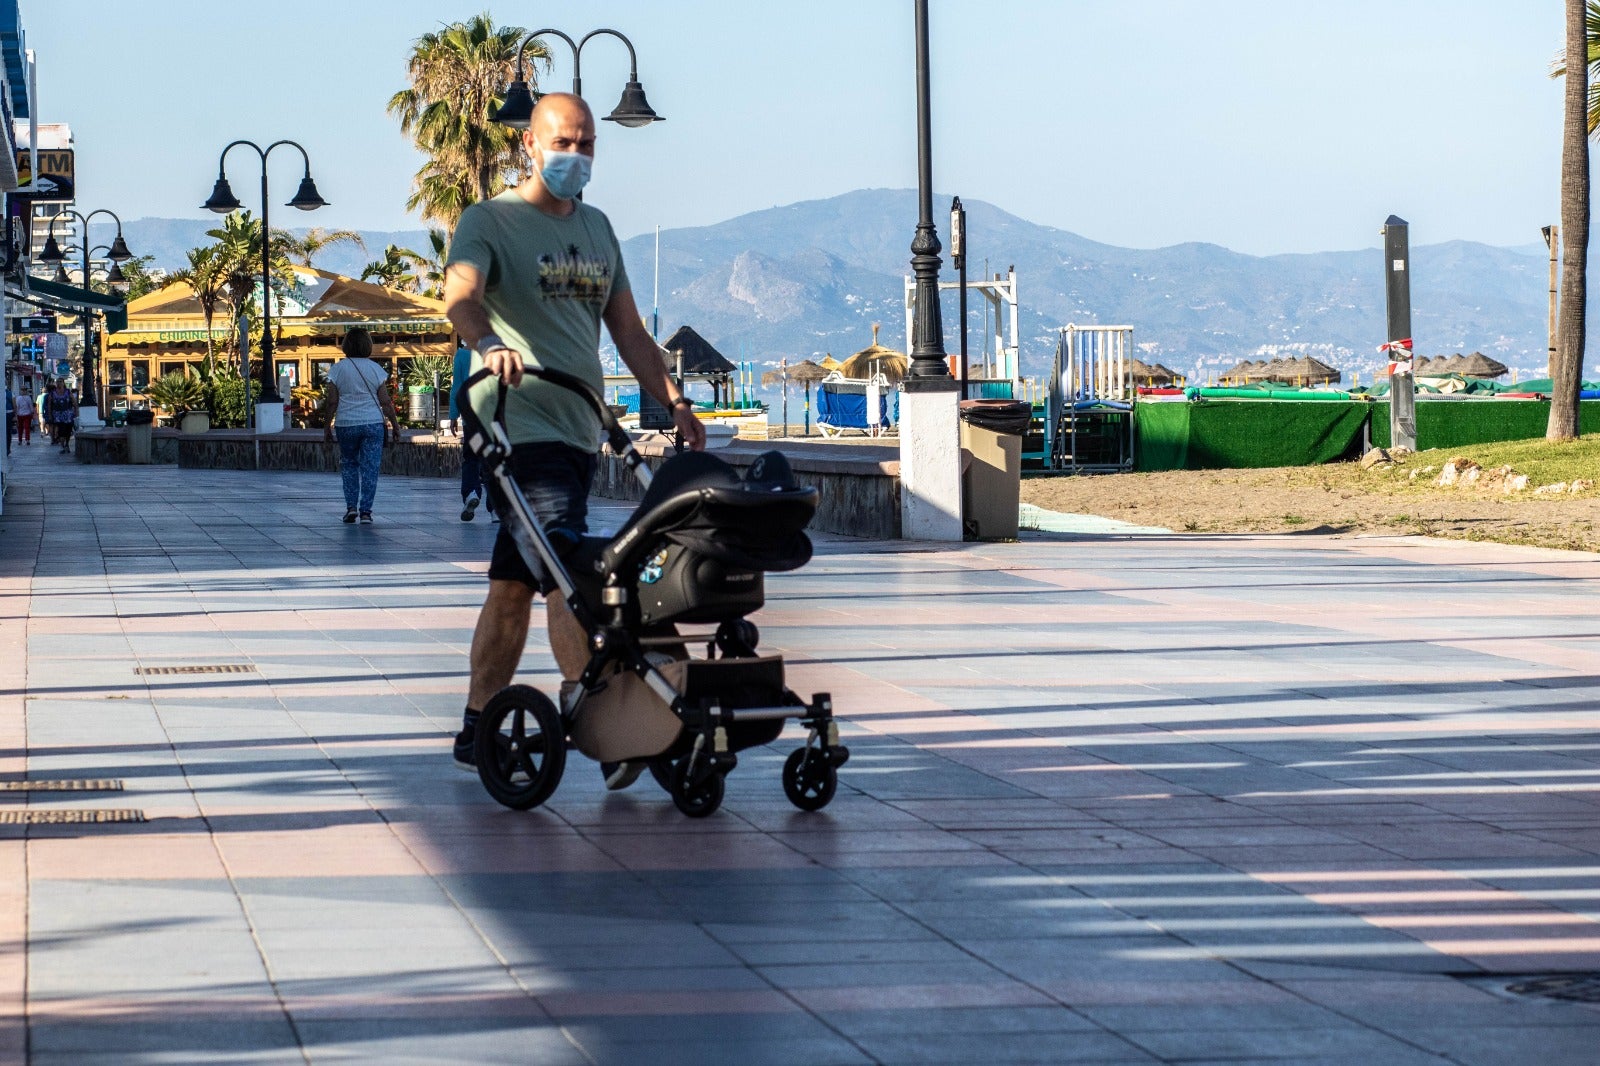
1454, 423
1215, 435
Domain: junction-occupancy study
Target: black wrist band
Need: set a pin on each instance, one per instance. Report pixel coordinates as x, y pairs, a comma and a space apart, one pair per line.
683, 401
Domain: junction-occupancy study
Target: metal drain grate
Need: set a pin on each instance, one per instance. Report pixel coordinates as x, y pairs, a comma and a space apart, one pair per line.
75, 785
215, 668
1573, 987
68, 817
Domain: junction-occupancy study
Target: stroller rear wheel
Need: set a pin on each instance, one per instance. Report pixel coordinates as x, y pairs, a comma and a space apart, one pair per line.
809, 779
521, 747
696, 798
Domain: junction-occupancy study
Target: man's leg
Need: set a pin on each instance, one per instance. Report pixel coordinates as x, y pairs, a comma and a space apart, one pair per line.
497, 644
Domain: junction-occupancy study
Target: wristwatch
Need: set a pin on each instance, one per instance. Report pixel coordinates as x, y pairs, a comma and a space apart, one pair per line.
489, 343
683, 401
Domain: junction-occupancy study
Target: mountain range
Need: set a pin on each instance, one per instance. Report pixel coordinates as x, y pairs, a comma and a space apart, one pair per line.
810, 278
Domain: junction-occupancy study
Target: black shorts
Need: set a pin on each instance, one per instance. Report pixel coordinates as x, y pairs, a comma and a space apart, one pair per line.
555, 478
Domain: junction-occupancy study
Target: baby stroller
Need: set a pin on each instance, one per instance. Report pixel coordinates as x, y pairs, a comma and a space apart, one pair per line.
693, 554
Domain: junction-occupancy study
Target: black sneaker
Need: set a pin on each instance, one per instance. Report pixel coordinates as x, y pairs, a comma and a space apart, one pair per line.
350, 517
366, 518
469, 507
619, 775
465, 741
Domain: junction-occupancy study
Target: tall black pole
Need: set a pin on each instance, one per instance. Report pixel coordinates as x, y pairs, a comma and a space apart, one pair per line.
269, 376
958, 255
1397, 291
927, 328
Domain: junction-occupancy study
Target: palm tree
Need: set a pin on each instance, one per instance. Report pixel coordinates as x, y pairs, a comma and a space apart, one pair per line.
1591, 20
1566, 370
394, 270
303, 250
205, 278
432, 264
239, 261
456, 76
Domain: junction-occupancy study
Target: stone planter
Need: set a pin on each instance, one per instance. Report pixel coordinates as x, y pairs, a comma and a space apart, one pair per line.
194, 422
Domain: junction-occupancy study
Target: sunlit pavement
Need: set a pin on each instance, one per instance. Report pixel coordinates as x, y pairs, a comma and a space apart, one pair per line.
1147, 799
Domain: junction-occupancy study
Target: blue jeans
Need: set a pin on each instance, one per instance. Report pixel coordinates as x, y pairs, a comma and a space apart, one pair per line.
360, 455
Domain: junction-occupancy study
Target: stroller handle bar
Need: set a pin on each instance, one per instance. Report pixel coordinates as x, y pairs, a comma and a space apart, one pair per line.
616, 436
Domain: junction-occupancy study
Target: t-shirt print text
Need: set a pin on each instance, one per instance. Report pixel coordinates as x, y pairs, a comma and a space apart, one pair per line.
572, 275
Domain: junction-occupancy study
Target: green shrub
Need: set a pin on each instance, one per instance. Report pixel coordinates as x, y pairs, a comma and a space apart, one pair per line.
226, 394
419, 374
178, 392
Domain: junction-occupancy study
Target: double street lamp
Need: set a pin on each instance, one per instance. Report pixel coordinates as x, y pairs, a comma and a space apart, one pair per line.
632, 110
223, 201
117, 252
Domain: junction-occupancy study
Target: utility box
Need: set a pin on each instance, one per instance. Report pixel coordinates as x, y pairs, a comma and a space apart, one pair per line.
991, 476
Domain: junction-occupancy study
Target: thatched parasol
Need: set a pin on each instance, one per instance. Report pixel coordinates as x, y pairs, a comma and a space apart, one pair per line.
829, 363
1478, 365
1143, 373
875, 359
1242, 373
804, 372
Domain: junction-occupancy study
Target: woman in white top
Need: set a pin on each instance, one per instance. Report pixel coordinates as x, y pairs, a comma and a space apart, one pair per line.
357, 397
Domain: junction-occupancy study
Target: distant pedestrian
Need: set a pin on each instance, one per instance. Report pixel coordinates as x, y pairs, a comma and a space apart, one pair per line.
25, 409
357, 399
471, 469
61, 411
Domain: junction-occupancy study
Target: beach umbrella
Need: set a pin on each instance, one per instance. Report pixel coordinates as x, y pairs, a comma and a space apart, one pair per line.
1143, 373
829, 363
1478, 365
804, 372
875, 359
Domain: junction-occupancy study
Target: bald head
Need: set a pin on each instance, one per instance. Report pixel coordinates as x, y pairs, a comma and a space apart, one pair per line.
561, 122
560, 135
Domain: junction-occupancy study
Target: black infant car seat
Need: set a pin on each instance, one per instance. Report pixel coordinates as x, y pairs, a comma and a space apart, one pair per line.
697, 545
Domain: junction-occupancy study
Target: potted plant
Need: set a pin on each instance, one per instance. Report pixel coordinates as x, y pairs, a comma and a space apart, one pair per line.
420, 376
184, 396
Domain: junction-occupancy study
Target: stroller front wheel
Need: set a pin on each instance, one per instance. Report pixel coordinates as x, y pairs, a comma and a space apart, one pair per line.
699, 798
809, 779
521, 747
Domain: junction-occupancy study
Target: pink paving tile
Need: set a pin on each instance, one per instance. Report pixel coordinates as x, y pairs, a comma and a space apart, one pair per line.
599, 1004
734, 851
339, 851
145, 857
510, 855
998, 993
1155, 991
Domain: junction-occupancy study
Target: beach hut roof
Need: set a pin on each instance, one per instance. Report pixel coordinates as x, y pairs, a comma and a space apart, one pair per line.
699, 357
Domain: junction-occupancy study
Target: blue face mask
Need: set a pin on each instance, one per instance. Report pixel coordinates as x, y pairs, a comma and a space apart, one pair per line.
565, 173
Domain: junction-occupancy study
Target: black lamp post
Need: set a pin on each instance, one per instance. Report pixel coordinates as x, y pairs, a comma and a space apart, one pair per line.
117, 252
927, 327
632, 110
223, 201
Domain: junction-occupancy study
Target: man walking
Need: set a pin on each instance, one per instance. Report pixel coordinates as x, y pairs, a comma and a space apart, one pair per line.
532, 274
471, 468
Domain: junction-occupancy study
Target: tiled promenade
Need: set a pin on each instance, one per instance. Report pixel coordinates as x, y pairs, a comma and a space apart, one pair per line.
1150, 799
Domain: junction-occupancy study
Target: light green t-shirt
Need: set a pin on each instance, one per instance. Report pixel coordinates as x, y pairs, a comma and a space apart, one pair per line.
548, 281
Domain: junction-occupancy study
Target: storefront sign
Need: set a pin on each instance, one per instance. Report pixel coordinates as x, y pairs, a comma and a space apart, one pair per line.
34, 324
56, 173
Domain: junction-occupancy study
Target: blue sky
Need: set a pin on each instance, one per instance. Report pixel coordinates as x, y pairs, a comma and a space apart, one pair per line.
1266, 127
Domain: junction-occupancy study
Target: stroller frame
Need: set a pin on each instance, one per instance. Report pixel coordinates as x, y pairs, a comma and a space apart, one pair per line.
521, 768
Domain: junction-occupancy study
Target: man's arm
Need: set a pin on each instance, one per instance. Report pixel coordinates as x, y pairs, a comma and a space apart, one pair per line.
463, 305
643, 356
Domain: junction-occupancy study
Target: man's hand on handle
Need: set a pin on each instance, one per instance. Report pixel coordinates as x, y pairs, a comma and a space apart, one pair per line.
690, 426
505, 364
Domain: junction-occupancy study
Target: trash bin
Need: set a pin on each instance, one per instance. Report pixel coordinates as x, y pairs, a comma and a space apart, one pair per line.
991, 476
140, 432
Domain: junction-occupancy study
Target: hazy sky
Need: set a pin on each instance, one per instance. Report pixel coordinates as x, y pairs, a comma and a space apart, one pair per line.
1262, 125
